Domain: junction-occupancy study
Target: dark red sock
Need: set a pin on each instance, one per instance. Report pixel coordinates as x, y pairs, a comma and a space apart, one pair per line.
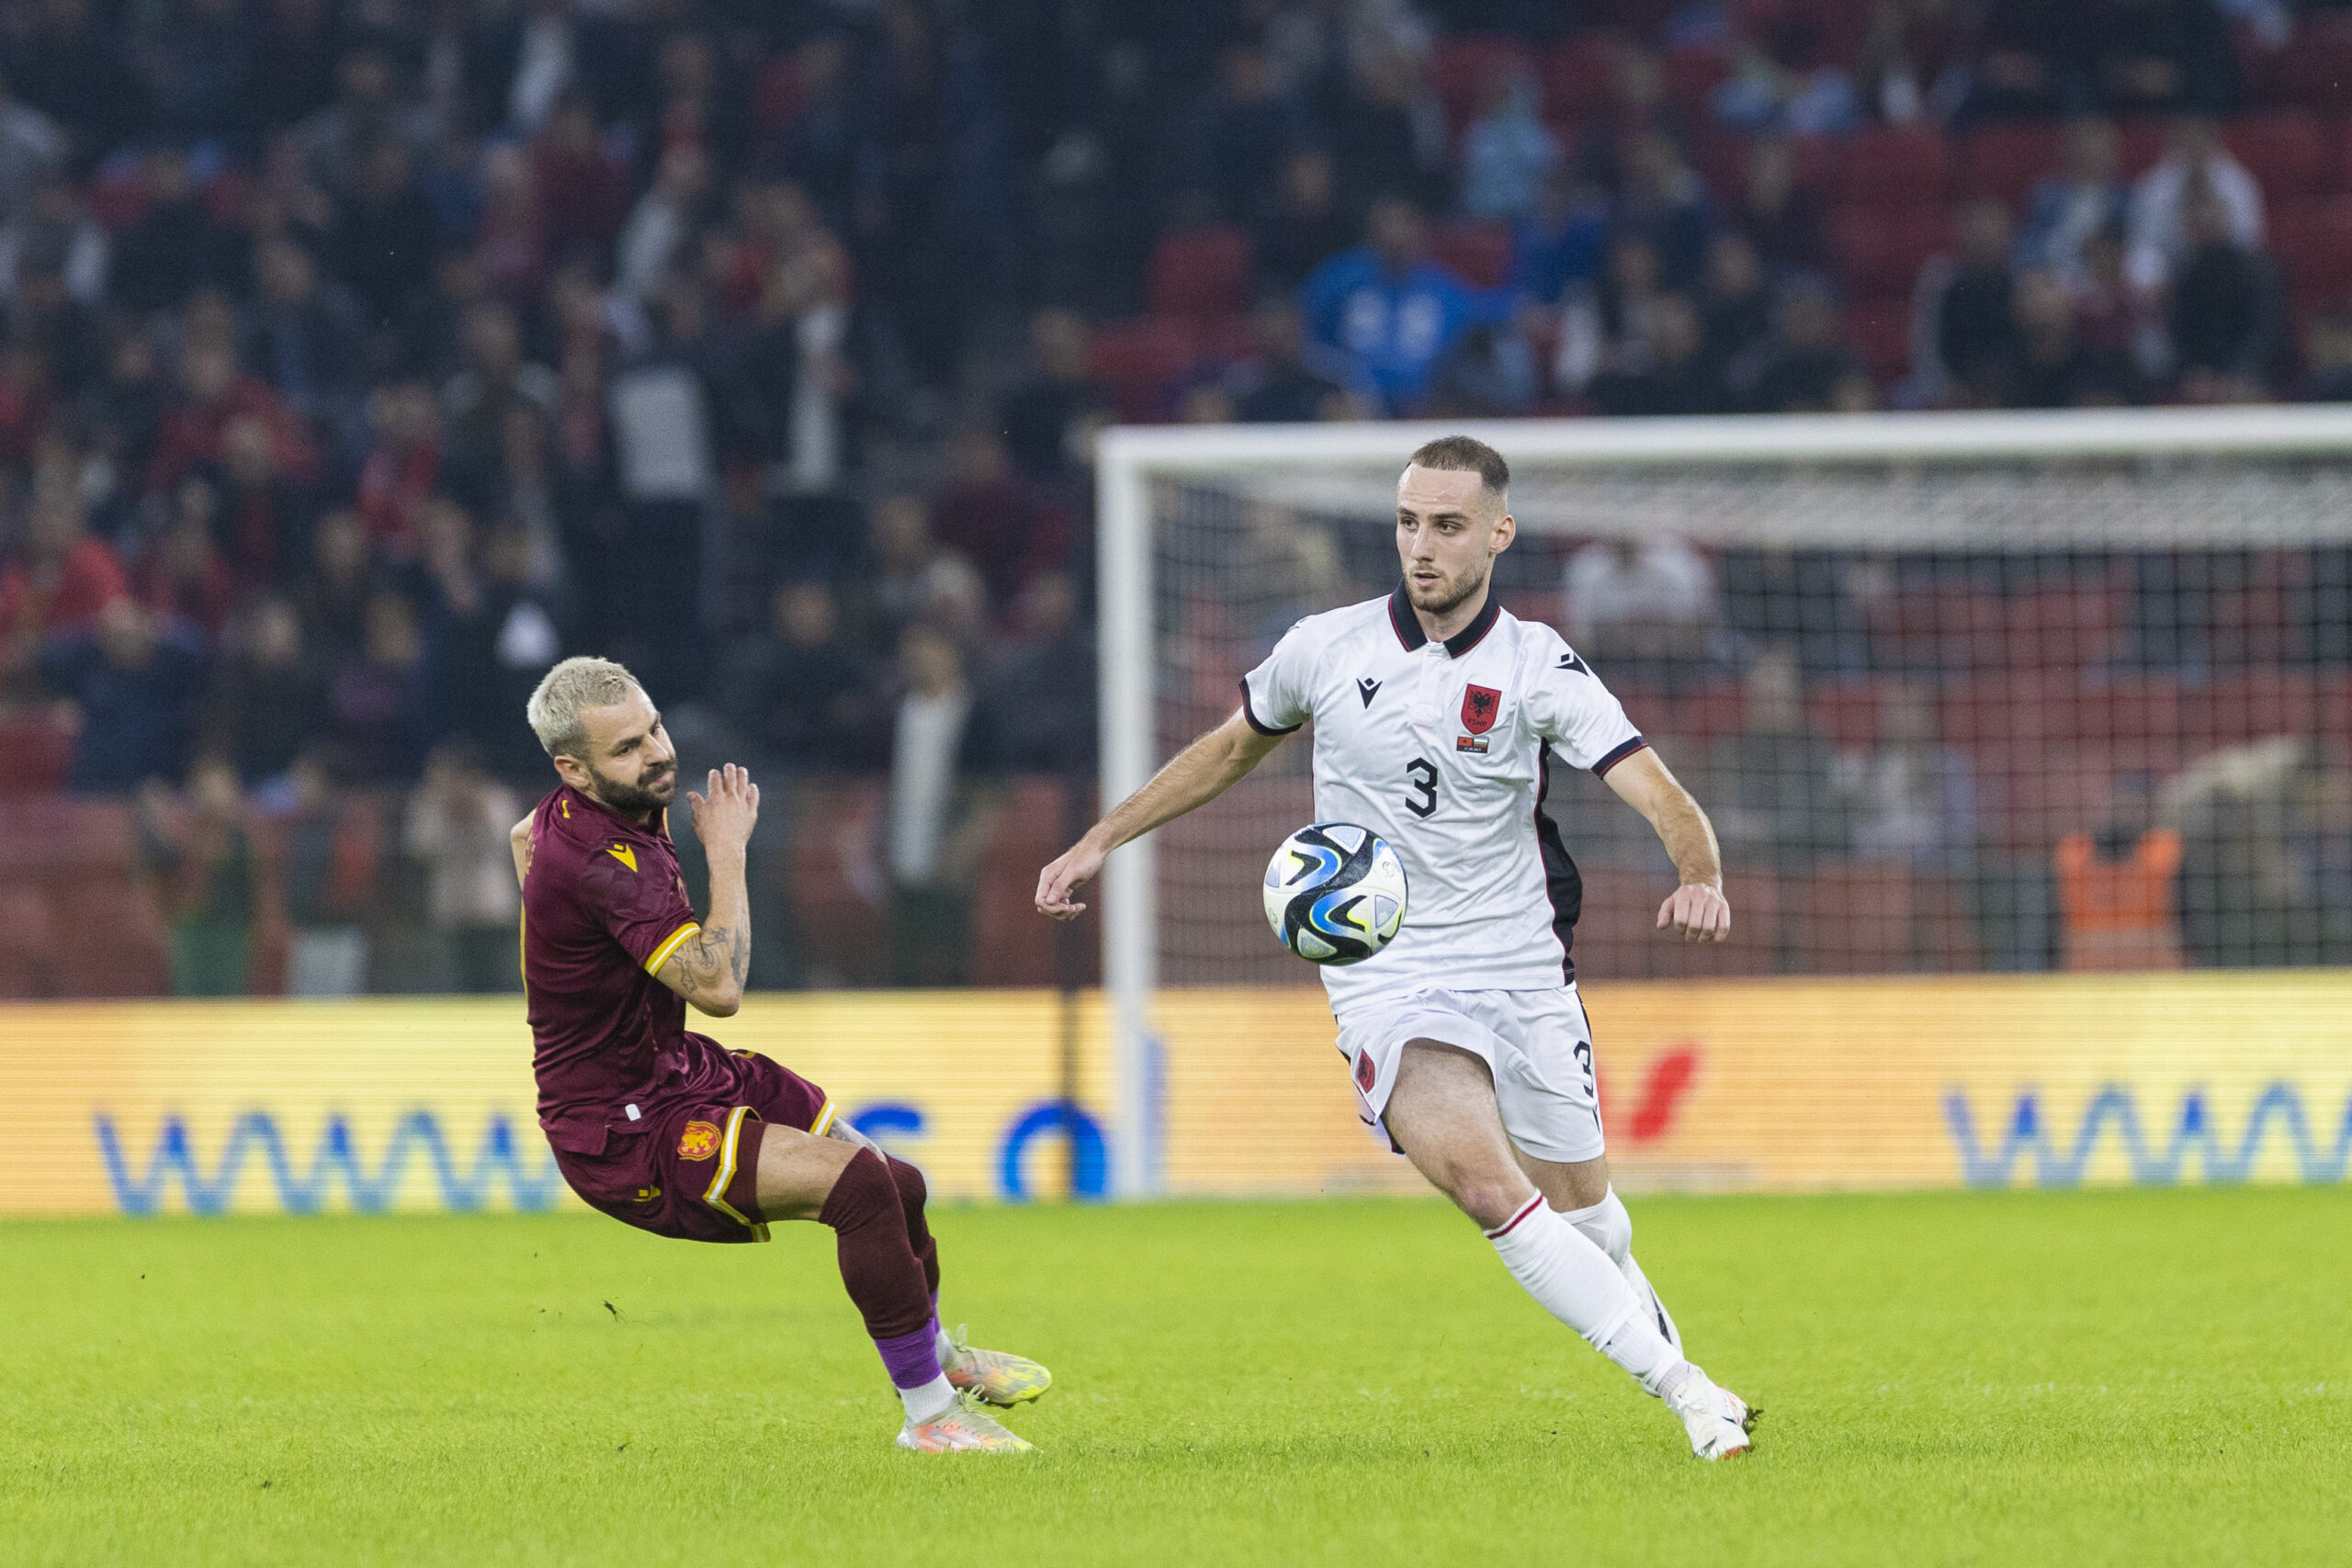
913, 1195
878, 1265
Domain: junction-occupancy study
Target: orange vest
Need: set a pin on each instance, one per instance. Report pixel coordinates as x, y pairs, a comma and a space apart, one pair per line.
2119, 914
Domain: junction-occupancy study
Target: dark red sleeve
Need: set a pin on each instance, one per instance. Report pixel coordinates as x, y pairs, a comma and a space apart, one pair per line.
642, 907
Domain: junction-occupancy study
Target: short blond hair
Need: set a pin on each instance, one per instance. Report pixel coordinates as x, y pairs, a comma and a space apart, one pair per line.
576, 683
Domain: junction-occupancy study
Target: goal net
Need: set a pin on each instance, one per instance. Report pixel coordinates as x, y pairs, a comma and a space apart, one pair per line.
1960, 692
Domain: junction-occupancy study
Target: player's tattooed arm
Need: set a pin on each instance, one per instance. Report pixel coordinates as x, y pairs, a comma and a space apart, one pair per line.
1196, 775
1697, 911
709, 968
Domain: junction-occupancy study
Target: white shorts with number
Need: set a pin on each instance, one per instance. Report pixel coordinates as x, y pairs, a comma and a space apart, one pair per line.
1538, 1046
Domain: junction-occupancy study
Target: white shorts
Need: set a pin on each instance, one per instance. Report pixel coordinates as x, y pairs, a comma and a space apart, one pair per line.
1537, 1045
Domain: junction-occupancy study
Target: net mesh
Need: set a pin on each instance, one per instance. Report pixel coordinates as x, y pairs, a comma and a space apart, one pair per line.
1952, 716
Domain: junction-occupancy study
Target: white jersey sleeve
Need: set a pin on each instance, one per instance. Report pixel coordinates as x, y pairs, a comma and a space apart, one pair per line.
1566, 705
1279, 695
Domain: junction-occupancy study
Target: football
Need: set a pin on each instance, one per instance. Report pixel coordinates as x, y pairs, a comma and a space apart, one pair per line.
1335, 893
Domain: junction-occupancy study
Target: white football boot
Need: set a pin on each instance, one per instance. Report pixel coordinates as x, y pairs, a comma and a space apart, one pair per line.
1717, 1419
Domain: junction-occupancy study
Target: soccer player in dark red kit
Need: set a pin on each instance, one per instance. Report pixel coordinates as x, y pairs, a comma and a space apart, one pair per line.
668, 1130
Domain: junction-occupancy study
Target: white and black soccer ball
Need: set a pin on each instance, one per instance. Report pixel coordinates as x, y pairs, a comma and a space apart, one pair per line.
1335, 893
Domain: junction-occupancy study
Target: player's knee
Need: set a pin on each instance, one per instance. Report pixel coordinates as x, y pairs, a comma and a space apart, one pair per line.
914, 1192
1489, 1197
1607, 1226
863, 1194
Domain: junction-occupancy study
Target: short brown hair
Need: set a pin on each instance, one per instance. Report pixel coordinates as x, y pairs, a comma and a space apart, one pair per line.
1466, 453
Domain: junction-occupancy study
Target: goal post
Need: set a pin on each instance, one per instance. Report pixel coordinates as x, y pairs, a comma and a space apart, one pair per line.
2008, 569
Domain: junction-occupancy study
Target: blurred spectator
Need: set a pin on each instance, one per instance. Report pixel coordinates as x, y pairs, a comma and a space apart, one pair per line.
31, 148
1644, 609
1506, 152
1607, 329
45, 319
2086, 196
333, 594
1289, 380
1560, 241
2148, 56
1679, 377
987, 514
1304, 224
2194, 159
2053, 368
402, 467
1239, 131
213, 394
457, 824
1043, 689
374, 699
267, 701
663, 221
1390, 305
1665, 202
1737, 306
1913, 67
1775, 801
494, 381
2027, 60
59, 579
1913, 798
1800, 600
386, 235
173, 246
329, 862
581, 186
263, 521
1049, 418
1967, 313
182, 577
1805, 367
1780, 82
915, 577
2226, 310
304, 336
198, 850
2327, 359
2264, 832
1490, 372
944, 806
799, 692
135, 683
69, 64
647, 588
2117, 887
1388, 131
1780, 217
56, 229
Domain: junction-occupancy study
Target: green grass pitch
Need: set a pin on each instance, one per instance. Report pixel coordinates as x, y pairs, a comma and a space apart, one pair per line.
2111, 1377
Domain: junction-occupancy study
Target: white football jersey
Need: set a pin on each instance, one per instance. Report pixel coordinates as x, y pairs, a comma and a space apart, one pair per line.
1445, 750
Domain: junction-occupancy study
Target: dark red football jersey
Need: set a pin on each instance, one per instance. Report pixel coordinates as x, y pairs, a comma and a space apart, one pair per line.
603, 906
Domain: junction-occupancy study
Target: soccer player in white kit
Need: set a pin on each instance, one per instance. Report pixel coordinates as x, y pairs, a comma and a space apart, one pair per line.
1438, 718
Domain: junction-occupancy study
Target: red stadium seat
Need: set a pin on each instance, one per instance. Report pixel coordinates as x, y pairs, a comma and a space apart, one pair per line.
1139, 360
1880, 329
1579, 79
1889, 166
1479, 252
2315, 72
1200, 272
1011, 946
1690, 76
2142, 144
2283, 149
27, 943
1460, 69
1883, 250
39, 744
2004, 160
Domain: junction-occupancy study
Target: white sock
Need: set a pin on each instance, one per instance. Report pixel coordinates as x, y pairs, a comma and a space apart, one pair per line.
1575, 1282
1609, 1227
945, 1346
929, 1402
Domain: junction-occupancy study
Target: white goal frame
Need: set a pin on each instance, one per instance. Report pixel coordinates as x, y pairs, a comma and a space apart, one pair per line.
1129, 457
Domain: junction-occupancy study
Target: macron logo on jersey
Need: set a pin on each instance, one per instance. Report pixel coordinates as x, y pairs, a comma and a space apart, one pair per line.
624, 854
1367, 688
1569, 660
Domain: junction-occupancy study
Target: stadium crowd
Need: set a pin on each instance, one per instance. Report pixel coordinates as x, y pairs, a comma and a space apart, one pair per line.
361, 358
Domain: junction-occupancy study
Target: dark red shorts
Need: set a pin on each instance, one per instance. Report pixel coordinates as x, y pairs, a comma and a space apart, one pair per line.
689, 1168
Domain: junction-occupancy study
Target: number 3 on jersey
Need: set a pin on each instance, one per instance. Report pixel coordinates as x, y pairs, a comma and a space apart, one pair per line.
1423, 773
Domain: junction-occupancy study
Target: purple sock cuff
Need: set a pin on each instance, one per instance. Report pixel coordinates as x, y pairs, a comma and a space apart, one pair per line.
912, 1359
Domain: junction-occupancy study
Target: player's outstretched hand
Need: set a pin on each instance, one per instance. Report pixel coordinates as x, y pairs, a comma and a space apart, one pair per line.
1697, 913
1058, 881
723, 818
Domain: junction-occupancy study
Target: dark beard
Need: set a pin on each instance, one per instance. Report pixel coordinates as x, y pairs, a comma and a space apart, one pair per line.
632, 800
1469, 591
